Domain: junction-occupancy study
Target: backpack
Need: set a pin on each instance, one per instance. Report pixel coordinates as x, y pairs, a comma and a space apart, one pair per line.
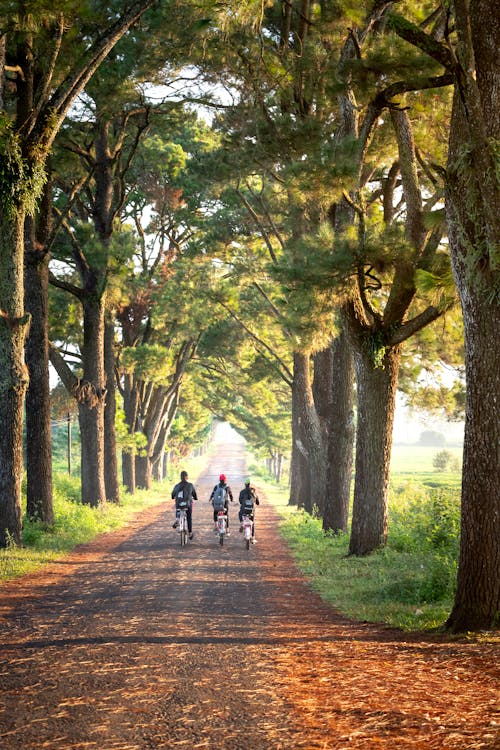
182, 498
247, 499
219, 498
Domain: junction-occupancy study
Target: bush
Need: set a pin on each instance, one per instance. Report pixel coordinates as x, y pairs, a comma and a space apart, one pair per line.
445, 461
410, 583
430, 521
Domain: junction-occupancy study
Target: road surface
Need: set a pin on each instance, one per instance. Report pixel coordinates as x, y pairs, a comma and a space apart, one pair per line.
133, 643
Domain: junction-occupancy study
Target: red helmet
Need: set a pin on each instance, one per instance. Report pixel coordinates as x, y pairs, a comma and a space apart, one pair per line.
222, 478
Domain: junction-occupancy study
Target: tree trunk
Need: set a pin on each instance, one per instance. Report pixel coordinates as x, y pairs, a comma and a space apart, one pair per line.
376, 403
143, 472
13, 372
341, 433
322, 383
128, 471
130, 407
158, 468
91, 404
310, 435
473, 206
297, 490
322, 396
39, 499
159, 453
110, 453
278, 466
477, 602
300, 479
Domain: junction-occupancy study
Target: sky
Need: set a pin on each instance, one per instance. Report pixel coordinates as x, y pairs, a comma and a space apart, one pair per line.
409, 425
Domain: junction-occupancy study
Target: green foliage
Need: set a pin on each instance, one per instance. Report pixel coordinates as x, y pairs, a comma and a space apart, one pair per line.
375, 348
21, 180
74, 524
409, 584
149, 362
126, 440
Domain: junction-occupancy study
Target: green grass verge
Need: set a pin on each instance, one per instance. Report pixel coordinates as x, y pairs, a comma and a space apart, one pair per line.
408, 585
415, 463
76, 523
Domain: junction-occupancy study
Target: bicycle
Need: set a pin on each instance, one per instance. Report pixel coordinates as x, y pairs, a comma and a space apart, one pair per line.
182, 526
247, 523
221, 525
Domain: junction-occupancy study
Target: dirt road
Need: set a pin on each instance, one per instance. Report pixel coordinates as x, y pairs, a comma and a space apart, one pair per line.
133, 643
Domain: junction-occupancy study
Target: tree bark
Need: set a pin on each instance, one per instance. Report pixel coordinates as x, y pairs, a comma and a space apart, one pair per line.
311, 438
323, 398
13, 372
473, 209
110, 451
341, 433
376, 403
299, 470
91, 408
477, 601
143, 471
39, 500
128, 471
130, 407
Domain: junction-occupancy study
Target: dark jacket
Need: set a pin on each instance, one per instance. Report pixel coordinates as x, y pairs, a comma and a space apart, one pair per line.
248, 493
188, 490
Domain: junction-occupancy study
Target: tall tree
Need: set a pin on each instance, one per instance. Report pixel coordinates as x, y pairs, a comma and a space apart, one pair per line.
341, 433
469, 50
97, 194
159, 310
26, 136
38, 424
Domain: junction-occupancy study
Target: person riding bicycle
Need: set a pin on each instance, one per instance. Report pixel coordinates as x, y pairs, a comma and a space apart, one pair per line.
184, 490
218, 498
248, 500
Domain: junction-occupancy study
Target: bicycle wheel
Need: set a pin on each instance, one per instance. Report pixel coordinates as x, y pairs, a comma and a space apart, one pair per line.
183, 537
221, 539
247, 543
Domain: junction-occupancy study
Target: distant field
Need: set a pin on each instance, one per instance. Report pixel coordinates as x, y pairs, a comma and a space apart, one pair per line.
415, 462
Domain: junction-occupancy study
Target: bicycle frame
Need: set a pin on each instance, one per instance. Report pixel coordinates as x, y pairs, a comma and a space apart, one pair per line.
221, 525
247, 523
182, 528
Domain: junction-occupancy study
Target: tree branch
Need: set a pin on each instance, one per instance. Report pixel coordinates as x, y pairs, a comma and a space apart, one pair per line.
418, 38
284, 371
410, 327
259, 224
54, 110
74, 290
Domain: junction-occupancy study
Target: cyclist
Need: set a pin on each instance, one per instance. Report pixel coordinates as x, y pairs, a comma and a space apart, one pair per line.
223, 490
248, 500
184, 490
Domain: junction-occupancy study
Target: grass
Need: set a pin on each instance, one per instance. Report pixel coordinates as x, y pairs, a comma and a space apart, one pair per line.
410, 583
76, 523
408, 587
415, 462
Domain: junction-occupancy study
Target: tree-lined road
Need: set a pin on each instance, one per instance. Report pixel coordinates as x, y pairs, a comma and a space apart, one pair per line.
133, 643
